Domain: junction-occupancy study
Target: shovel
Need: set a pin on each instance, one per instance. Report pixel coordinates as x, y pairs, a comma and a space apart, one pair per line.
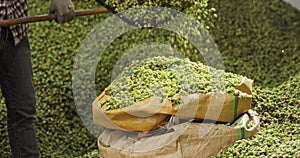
49, 17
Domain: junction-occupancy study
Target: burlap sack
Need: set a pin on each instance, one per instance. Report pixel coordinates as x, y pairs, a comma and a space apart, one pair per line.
151, 113
187, 140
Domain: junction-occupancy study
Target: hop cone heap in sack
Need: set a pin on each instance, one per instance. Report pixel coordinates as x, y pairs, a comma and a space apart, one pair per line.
168, 78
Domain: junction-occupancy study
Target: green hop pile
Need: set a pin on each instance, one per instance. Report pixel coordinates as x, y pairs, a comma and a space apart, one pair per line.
198, 9
168, 78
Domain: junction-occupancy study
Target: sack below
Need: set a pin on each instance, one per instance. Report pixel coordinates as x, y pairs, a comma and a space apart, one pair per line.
184, 140
151, 113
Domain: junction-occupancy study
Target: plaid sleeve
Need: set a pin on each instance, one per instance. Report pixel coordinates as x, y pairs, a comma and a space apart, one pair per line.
2, 8
17, 9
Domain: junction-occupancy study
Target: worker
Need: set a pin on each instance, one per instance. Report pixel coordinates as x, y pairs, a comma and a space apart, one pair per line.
16, 74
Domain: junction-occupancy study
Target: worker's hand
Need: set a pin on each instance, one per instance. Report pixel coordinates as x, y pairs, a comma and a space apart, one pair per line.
64, 10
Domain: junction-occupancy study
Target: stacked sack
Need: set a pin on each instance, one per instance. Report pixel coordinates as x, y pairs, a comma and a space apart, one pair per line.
149, 92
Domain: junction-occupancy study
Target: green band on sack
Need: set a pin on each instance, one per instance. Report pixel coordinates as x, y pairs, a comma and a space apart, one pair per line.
242, 133
239, 133
235, 106
232, 107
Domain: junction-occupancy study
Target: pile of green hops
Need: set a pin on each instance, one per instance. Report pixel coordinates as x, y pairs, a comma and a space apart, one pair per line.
167, 78
198, 9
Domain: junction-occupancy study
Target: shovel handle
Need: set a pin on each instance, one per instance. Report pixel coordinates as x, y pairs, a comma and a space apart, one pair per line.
48, 17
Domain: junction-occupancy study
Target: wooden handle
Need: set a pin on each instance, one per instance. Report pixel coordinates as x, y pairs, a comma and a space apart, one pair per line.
49, 17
